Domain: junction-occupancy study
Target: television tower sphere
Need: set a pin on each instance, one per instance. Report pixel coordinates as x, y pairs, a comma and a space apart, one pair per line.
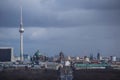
21, 30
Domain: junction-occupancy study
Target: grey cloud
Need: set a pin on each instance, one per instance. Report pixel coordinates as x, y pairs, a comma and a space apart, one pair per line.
51, 13
9, 34
77, 40
90, 4
74, 26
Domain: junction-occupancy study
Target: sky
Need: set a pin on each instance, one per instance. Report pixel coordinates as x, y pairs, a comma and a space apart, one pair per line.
75, 27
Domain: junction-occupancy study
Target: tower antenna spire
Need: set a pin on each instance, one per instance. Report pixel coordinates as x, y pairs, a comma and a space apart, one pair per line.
21, 22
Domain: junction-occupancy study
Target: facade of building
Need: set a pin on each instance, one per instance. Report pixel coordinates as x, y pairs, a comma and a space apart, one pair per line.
6, 54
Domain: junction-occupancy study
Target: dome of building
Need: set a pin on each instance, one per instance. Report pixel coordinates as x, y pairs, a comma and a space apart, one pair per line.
37, 54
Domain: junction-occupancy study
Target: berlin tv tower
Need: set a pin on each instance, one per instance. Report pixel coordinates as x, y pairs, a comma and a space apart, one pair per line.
21, 30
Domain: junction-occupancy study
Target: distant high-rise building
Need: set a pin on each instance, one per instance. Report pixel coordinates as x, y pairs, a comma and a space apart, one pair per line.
21, 30
91, 56
99, 57
86, 59
61, 56
6, 54
113, 58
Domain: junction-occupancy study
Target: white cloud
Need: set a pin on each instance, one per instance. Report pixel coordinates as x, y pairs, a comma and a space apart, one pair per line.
35, 33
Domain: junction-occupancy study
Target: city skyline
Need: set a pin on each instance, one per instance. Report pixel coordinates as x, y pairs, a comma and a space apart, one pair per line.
79, 27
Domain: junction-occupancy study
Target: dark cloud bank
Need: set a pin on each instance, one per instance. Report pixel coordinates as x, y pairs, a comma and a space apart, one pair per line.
63, 13
73, 26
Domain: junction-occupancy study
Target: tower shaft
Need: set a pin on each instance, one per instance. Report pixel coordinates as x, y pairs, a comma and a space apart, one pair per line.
21, 47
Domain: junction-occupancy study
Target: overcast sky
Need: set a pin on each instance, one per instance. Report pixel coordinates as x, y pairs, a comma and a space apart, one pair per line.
76, 27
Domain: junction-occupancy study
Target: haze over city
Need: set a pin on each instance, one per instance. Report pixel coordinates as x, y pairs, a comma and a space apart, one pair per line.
76, 27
